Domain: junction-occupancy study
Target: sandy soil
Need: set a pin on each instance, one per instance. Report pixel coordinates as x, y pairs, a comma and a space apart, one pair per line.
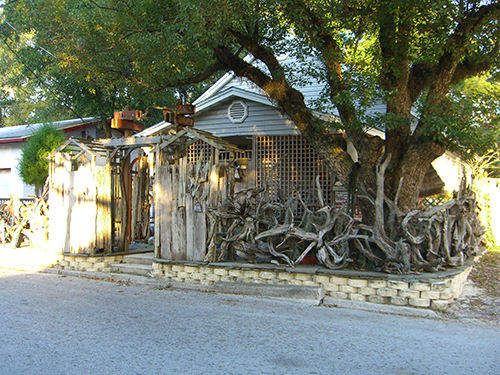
480, 300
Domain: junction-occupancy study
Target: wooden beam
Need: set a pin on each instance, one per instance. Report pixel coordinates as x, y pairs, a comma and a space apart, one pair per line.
173, 138
63, 146
214, 141
83, 147
131, 141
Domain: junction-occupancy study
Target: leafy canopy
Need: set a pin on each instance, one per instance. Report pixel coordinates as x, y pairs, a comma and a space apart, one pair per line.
121, 50
406, 54
37, 86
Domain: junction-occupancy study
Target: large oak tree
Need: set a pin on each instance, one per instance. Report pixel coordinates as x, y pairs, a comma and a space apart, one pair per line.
409, 54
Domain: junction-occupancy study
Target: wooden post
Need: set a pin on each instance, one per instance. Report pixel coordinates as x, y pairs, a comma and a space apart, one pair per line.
158, 201
125, 189
103, 202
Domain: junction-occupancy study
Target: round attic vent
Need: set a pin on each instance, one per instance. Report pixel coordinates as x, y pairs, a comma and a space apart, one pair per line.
237, 112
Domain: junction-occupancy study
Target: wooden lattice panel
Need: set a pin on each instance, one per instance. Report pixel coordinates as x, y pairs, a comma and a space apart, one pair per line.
195, 150
425, 203
296, 171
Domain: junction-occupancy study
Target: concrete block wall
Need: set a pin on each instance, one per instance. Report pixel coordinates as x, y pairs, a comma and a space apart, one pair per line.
89, 263
431, 290
436, 290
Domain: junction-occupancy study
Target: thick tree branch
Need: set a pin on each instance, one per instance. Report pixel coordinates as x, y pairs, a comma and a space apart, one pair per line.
450, 69
193, 79
318, 33
262, 53
473, 67
291, 101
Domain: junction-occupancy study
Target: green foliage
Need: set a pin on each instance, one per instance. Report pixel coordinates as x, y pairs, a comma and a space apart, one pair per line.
98, 55
33, 165
42, 85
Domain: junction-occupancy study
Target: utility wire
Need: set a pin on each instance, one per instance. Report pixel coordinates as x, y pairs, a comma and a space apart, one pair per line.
25, 37
56, 96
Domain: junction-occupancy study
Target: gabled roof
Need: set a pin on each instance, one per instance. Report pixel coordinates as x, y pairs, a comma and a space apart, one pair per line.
159, 136
228, 93
21, 132
165, 129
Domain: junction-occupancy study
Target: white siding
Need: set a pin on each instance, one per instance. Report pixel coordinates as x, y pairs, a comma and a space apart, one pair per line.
12, 184
261, 120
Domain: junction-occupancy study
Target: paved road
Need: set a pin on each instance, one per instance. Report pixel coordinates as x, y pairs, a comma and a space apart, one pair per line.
51, 324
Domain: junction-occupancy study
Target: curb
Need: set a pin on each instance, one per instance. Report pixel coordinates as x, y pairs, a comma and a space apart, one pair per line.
296, 292
382, 309
290, 292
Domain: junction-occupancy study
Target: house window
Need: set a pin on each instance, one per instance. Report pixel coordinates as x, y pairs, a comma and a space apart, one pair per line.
237, 111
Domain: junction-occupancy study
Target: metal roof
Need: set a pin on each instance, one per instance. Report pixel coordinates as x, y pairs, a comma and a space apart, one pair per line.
21, 132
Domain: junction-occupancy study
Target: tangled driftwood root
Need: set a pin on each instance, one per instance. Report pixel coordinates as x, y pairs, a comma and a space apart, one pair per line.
445, 235
20, 221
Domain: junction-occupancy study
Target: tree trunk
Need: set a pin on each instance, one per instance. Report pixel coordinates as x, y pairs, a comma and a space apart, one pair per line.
105, 126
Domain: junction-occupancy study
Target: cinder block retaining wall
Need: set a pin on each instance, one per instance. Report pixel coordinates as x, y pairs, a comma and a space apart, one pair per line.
89, 263
434, 290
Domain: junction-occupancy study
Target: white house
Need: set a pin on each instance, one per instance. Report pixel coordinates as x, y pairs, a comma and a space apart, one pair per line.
239, 111
11, 140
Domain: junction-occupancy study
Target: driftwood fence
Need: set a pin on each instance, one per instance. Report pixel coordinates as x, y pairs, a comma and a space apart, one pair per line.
22, 220
100, 203
445, 235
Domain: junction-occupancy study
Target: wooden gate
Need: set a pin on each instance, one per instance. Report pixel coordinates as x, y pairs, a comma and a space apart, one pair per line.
184, 193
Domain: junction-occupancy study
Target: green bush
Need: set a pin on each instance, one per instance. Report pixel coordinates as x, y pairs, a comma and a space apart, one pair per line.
34, 166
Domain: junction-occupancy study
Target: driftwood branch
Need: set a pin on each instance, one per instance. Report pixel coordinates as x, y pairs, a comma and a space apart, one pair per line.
444, 235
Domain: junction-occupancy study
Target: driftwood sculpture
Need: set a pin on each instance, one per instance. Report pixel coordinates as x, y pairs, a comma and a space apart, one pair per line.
24, 221
444, 235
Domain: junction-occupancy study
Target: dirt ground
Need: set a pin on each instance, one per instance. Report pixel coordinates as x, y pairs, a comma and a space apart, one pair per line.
480, 300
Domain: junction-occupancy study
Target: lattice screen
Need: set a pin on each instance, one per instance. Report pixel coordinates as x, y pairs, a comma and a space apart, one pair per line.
194, 152
296, 172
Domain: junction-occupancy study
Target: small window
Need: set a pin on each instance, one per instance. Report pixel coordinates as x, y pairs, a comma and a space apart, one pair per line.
237, 112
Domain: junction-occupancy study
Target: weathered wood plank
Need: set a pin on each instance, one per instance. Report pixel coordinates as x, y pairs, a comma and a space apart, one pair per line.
130, 141
158, 202
179, 233
200, 233
191, 230
166, 215
103, 202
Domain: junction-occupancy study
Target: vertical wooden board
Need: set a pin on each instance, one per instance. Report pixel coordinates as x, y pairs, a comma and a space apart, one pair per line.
174, 169
213, 187
98, 178
223, 186
178, 217
107, 230
192, 232
183, 180
103, 207
73, 247
82, 219
166, 213
57, 209
67, 191
179, 233
200, 237
157, 204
